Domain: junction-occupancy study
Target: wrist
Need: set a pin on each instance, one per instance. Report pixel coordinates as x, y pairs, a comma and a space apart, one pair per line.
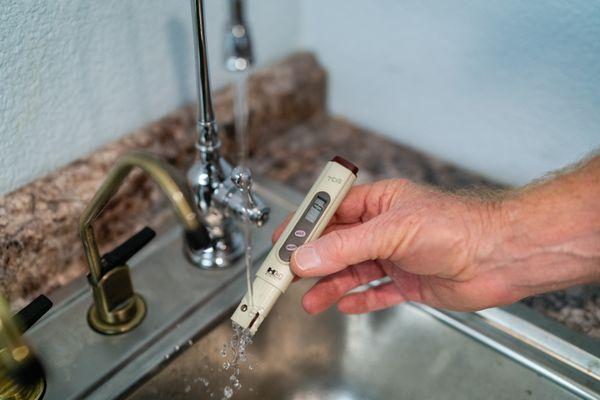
544, 245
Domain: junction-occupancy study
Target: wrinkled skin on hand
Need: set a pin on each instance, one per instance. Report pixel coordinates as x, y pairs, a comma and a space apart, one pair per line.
429, 243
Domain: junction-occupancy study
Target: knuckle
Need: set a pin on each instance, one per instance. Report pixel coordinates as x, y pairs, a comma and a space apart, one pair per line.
337, 244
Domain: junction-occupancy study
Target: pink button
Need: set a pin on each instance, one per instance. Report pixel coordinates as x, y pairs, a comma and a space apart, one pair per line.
290, 247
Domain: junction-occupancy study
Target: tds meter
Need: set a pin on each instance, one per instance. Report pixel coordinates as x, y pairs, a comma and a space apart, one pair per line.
307, 224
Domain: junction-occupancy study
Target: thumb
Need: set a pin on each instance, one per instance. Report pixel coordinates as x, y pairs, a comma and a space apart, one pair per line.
335, 251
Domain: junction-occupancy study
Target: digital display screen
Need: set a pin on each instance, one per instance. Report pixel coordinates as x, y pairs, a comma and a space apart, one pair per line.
316, 209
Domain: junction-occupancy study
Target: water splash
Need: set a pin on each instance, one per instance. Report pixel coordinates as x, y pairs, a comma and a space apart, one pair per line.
224, 350
236, 350
203, 381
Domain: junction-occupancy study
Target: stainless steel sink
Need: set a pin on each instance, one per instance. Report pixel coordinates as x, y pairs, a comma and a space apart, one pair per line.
406, 352
400, 353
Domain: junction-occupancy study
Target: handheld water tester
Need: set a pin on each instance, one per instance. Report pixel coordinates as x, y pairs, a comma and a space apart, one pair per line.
307, 224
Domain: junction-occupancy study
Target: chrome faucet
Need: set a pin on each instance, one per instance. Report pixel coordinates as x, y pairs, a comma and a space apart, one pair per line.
238, 46
218, 198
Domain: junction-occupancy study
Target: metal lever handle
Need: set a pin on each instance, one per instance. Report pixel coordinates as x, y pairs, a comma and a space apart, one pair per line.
32, 312
242, 178
122, 253
244, 203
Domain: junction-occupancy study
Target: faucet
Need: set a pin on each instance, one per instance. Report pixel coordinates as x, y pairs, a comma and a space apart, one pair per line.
21, 373
238, 46
117, 308
218, 197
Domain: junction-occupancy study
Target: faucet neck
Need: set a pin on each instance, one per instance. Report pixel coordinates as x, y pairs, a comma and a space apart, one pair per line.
238, 44
236, 12
207, 128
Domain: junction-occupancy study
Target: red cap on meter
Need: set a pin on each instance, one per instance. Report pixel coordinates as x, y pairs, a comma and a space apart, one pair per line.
345, 163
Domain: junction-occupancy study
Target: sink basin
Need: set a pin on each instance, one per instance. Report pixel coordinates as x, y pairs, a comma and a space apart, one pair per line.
410, 351
400, 353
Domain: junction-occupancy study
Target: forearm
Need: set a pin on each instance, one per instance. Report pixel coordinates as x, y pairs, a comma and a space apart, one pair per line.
550, 236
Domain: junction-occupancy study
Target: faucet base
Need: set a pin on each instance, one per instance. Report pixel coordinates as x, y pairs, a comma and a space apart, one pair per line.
10, 389
137, 305
222, 252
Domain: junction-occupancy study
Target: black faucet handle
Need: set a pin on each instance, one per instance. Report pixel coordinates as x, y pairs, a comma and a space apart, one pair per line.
32, 312
123, 252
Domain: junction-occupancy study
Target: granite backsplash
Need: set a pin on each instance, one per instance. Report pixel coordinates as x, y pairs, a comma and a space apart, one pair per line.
289, 130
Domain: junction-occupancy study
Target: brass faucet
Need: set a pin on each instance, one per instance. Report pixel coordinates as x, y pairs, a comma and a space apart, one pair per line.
117, 307
21, 373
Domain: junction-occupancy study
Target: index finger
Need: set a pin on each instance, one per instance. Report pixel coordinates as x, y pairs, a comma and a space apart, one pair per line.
353, 207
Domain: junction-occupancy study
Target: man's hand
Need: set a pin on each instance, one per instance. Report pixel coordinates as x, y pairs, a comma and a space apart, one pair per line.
448, 251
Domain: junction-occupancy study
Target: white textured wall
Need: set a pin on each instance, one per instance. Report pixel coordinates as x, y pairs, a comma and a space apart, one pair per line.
509, 88
76, 74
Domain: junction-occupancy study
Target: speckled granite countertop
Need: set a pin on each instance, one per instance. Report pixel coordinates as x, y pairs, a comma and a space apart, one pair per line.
297, 155
291, 136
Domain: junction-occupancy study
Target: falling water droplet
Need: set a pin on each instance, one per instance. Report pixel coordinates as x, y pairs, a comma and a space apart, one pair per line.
240, 340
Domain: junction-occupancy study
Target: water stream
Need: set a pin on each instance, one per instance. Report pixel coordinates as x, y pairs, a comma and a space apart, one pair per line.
240, 109
235, 350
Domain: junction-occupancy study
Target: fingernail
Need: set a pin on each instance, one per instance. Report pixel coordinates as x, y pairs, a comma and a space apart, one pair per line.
306, 258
